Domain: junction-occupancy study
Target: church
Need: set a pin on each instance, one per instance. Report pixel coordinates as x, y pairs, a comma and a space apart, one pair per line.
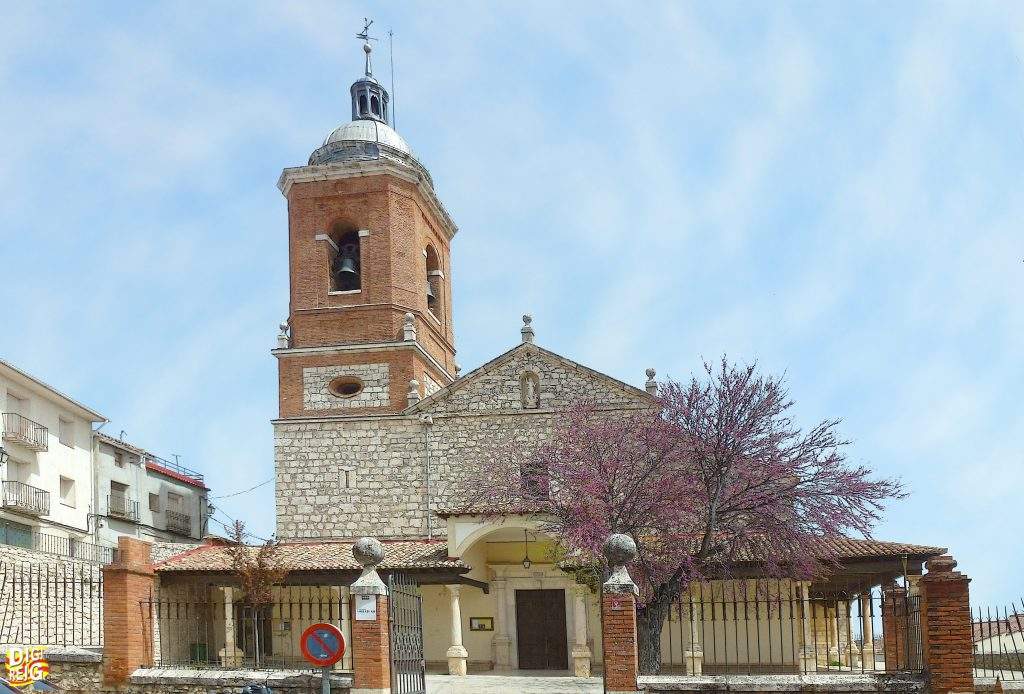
377, 425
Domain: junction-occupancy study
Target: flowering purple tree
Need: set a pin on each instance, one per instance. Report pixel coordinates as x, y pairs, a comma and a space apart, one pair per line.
714, 474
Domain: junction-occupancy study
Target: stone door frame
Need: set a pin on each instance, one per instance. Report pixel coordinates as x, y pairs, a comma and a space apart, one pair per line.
511, 577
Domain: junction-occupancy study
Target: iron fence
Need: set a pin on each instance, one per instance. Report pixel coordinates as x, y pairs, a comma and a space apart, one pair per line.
53, 544
218, 630
759, 627
405, 625
51, 604
998, 636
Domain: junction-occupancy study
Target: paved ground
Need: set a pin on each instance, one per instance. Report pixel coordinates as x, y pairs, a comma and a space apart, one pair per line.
521, 682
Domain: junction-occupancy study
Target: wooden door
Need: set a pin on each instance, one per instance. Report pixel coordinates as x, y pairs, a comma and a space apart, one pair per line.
540, 630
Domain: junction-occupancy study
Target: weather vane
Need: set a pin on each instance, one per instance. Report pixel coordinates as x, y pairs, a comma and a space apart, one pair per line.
365, 33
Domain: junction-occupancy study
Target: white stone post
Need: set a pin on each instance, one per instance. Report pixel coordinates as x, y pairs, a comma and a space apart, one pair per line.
502, 641
694, 656
457, 654
409, 328
581, 654
867, 631
808, 662
230, 656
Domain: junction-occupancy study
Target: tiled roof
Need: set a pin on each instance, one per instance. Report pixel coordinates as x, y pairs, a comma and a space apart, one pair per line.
323, 556
482, 509
837, 549
853, 548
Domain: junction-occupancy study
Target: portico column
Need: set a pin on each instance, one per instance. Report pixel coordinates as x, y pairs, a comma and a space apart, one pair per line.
580, 651
808, 660
457, 654
867, 631
230, 656
502, 657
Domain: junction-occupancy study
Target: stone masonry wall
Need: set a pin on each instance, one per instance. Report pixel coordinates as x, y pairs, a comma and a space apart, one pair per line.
430, 386
48, 599
82, 674
316, 380
384, 492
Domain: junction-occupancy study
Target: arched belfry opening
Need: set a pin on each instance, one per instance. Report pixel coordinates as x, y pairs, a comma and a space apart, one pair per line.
346, 268
435, 282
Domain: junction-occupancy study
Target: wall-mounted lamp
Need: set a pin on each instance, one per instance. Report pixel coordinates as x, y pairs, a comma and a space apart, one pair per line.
526, 550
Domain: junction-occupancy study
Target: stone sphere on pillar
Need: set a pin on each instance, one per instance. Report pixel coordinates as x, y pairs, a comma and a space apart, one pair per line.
619, 549
368, 551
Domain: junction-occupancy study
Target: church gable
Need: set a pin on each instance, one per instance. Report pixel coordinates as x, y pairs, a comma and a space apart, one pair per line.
530, 378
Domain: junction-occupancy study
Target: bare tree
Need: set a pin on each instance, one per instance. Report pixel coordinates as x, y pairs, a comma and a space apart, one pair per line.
258, 569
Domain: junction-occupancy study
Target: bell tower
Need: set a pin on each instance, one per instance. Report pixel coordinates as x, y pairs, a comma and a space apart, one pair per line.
369, 327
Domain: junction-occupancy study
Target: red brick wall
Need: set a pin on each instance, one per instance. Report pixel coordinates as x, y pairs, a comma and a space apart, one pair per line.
127, 625
618, 638
894, 627
946, 627
394, 274
371, 654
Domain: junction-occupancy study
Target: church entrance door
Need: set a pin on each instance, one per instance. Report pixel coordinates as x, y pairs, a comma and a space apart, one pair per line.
540, 630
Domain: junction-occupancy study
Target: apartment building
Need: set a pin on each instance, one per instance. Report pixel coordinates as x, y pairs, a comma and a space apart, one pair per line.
47, 475
67, 489
143, 495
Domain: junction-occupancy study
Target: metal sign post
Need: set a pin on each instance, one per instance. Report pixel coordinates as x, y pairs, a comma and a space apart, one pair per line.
323, 645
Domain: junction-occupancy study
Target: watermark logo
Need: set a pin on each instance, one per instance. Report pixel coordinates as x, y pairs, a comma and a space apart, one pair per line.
25, 665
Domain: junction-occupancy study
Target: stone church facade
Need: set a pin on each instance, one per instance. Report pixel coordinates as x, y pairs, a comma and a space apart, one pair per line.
378, 429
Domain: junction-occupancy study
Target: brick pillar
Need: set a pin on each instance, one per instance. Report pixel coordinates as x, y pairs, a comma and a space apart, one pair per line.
371, 657
618, 618
946, 627
894, 627
127, 621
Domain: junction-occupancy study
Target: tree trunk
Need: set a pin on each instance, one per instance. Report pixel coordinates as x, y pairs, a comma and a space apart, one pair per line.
649, 622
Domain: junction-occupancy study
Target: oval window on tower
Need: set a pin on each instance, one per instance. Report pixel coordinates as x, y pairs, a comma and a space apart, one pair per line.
345, 387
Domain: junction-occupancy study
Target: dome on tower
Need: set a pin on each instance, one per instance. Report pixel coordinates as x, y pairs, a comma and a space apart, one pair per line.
367, 136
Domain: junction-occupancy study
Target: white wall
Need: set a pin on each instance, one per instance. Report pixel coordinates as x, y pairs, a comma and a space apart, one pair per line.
44, 469
141, 482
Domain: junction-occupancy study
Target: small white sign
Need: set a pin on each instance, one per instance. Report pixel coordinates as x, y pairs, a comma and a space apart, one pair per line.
366, 608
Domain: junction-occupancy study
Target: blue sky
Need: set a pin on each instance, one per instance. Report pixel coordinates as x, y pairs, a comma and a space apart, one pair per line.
833, 189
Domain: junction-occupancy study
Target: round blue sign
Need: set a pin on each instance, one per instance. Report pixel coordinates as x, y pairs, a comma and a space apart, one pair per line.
322, 644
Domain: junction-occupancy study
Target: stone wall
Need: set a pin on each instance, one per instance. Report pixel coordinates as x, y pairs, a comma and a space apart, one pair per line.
46, 599
345, 477
783, 684
82, 674
317, 395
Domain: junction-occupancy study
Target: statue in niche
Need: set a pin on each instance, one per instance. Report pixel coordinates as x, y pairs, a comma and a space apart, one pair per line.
530, 390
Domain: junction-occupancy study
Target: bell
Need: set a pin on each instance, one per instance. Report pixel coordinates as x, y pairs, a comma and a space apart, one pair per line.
347, 267
431, 297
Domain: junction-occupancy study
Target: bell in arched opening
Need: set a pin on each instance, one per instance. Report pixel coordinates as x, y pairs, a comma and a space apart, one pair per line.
345, 267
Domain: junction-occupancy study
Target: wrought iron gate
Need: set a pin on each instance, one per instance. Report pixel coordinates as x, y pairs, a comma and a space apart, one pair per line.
405, 613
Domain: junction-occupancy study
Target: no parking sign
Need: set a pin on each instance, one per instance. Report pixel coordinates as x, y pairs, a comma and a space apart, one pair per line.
322, 644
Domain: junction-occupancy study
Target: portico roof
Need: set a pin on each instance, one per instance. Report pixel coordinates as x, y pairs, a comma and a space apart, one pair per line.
325, 555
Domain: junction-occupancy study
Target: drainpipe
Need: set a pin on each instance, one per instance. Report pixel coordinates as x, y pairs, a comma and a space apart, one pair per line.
428, 422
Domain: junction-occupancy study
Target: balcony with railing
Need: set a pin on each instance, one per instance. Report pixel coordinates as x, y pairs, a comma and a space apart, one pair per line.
175, 470
178, 522
24, 498
22, 430
121, 506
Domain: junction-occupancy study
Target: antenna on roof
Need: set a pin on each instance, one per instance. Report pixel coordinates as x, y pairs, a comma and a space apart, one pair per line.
391, 51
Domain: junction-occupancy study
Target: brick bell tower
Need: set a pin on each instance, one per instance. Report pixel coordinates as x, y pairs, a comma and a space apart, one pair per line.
369, 327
